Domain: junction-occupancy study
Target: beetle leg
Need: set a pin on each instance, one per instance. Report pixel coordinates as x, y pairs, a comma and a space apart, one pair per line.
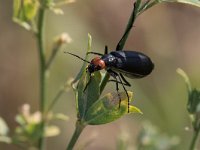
118, 82
117, 89
115, 75
87, 83
127, 83
126, 92
106, 50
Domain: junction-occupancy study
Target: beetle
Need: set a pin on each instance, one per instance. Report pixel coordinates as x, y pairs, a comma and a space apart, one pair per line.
131, 64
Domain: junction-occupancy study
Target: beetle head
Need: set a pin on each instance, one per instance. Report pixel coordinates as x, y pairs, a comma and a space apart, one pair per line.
96, 64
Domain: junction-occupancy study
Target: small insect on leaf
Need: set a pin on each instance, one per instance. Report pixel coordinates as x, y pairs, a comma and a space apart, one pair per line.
107, 109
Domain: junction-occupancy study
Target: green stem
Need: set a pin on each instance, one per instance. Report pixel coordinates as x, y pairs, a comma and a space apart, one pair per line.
40, 37
56, 98
41, 50
194, 139
121, 42
52, 57
77, 132
129, 26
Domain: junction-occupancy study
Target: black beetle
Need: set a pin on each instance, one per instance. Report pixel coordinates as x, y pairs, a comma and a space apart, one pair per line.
132, 64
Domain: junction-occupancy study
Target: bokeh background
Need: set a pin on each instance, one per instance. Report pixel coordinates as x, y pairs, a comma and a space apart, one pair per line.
169, 33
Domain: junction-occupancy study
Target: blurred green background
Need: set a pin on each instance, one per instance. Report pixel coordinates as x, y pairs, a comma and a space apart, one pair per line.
168, 33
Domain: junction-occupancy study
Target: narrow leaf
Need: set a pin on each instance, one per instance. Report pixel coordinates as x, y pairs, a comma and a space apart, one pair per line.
185, 77
190, 2
84, 63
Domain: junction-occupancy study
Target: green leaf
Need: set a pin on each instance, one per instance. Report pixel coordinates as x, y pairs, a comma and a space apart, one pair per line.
90, 95
20, 120
52, 131
30, 8
107, 109
24, 12
61, 116
193, 105
185, 77
190, 2
83, 68
86, 98
148, 4
16, 7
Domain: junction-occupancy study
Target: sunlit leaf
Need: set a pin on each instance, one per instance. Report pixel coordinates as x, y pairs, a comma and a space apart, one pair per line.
3, 127
30, 8
16, 7
185, 77
51, 131
190, 2
21, 23
5, 139
24, 11
107, 109
193, 105
57, 11
63, 2
61, 116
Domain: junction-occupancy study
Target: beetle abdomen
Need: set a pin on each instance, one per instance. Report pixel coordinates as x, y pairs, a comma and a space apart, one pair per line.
132, 64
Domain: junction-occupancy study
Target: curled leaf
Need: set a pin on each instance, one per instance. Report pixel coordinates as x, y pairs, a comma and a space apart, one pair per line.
107, 109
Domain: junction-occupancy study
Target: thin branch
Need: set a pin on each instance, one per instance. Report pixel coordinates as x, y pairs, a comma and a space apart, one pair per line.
41, 51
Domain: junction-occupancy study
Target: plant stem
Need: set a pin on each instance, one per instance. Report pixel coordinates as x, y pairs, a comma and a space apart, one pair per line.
121, 43
58, 95
129, 26
41, 51
194, 139
79, 128
54, 52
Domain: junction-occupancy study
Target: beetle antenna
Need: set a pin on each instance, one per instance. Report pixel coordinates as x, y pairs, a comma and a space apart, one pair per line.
77, 56
106, 49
